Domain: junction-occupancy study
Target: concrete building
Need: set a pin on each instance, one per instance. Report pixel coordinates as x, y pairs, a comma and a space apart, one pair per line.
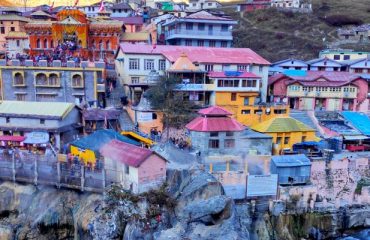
137, 169
200, 29
342, 54
60, 120
93, 9
121, 10
41, 83
16, 43
196, 5
326, 64
292, 4
287, 64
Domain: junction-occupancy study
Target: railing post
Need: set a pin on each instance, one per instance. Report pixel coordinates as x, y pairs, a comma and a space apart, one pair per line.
58, 174
103, 172
82, 177
13, 166
35, 171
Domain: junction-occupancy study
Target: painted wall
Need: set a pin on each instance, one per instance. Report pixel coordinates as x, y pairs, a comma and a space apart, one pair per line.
152, 173
147, 125
14, 48
294, 137
18, 27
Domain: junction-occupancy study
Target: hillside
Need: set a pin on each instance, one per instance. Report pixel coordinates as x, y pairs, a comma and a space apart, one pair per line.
277, 35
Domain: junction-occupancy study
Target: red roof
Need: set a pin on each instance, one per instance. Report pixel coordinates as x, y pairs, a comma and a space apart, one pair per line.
215, 124
12, 138
215, 111
125, 153
223, 75
198, 54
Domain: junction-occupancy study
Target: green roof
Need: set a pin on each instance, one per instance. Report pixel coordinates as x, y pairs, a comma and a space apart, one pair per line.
33, 109
281, 124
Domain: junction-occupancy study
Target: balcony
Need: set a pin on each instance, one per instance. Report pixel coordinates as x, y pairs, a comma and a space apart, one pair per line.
195, 87
321, 94
197, 34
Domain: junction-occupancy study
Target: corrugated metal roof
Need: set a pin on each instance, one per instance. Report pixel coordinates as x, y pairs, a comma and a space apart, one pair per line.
135, 36
281, 124
359, 120
214, 111
215, 124
183, 63
291, 160
44, 109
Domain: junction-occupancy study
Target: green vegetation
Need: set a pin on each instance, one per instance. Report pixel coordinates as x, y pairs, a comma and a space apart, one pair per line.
360, 184
278, 35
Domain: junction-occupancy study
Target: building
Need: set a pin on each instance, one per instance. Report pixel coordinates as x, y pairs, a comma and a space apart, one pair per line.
87, 148
321, 90
196, 5
355, 34
135, 37
31, 81
200, 29
94, 119
360, 66
74, 33
251, 5
288, 64
121, 10
93, 9
134, 62
61, 121
286, 132
16, 42
137, 169
132, 24
342, 55
326, 64
10, 22
291, 169
292, 4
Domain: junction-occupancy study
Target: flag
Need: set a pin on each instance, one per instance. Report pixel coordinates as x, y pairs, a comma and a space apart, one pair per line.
76, 2
52, 7
101, 8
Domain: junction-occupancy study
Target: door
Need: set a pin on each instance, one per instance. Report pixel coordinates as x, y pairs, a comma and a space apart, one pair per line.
307, 104
210, 29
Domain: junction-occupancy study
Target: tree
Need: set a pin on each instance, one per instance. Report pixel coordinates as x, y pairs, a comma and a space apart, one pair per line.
163, 97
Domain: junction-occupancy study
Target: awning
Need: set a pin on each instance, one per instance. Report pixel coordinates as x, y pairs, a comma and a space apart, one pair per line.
356, 137
12, 138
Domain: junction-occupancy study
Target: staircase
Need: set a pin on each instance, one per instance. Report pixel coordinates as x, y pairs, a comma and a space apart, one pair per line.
303, 117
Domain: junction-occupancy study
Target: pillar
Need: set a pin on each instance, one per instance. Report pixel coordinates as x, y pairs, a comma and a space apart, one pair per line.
82, 177
228, 166
103, 176
57, 140
35, 172
58, 174
211, 167
13, 166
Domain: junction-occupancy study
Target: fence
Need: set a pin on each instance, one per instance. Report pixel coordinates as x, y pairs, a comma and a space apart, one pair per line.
46, 169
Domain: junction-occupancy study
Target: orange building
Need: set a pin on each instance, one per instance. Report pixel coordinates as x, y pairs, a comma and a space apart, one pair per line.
78, 36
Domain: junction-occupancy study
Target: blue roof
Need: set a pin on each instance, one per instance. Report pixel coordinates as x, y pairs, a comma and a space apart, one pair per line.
291, 160
295, 73
358, 120
97, 139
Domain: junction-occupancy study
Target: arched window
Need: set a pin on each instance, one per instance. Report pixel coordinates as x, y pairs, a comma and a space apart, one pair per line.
45, 43
54, 79
101, 44
41, 79
18, 79
38, 43
107, 45
154, 116
80, 43
93, 43
77, 81
51, 44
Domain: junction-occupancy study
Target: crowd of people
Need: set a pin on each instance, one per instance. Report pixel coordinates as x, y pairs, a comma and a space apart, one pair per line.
180, 143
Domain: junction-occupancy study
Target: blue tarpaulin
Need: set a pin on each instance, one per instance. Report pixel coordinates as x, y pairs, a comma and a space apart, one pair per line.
358, 120
296, 73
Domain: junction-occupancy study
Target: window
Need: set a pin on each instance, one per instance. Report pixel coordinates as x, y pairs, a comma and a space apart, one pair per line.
209, 68
346, 57
213, 134
304, 138
209, 4
135, 80
18, 79
162, 65
107, 45
18, 43
336, 57
189, 26
20, 96
42, 121
201, 26
154, 116
233, 96
133, 64
246, 101
229, 134
286, 140
38, 43
200, 43
127, 169
278, 140
12, 29
212, 43
246, 112
243, 68
223, 44
77, 81
229, 143
188, 42
7, 119
260, 68
54, 80
47, 97
41, 79
358, 70
213, 143
2, 30
224, 27
45, 43
148, 64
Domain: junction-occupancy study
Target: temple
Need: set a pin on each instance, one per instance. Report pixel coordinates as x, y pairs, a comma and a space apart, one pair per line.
74, 35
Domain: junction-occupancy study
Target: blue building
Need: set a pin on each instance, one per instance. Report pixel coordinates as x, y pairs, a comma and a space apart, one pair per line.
201, 29
291, 169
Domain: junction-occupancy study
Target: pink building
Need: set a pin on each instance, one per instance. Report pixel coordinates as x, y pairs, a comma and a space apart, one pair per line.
137, 169
320, 90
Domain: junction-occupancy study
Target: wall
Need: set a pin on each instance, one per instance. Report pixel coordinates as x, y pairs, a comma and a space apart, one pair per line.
295, 137
13, 49
148, 125
152, 173
19, 27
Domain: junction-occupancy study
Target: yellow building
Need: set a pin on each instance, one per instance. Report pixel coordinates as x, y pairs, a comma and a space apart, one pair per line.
342, 55
286, 132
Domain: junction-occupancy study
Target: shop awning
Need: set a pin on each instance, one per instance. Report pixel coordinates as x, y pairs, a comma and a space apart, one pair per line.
356, 137
12, 138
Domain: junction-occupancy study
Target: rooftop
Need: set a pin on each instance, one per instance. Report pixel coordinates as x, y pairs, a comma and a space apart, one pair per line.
17, 35
358, 120
35, 109
198, 54
183, 63
281, 124
13, 17
215, 111
232, 74
130, 20
206, 15
291, 160
135, 36
96, 114
126, 153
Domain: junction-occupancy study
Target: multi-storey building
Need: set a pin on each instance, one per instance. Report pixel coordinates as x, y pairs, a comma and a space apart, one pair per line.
201, 29
42, 83
196, 5
318, 90
343, 55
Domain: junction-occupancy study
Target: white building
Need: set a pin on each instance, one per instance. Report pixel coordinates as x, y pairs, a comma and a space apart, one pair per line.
195, 5
121, 10
298, 4
93, 10
17, 42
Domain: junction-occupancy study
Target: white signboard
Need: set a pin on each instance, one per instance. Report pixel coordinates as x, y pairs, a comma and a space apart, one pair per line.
144, 116
37, 138
262, 185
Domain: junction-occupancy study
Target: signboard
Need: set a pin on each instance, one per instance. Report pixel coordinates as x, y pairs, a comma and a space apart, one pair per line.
144, 116
262, 185
37, 138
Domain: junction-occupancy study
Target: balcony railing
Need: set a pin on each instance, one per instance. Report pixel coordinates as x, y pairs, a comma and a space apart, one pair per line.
182, 31
321, 94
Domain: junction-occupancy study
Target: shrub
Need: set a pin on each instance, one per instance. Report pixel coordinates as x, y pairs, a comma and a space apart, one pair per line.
342, 20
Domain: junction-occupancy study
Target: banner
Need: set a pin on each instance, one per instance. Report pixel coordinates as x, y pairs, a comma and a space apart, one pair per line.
37, 138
